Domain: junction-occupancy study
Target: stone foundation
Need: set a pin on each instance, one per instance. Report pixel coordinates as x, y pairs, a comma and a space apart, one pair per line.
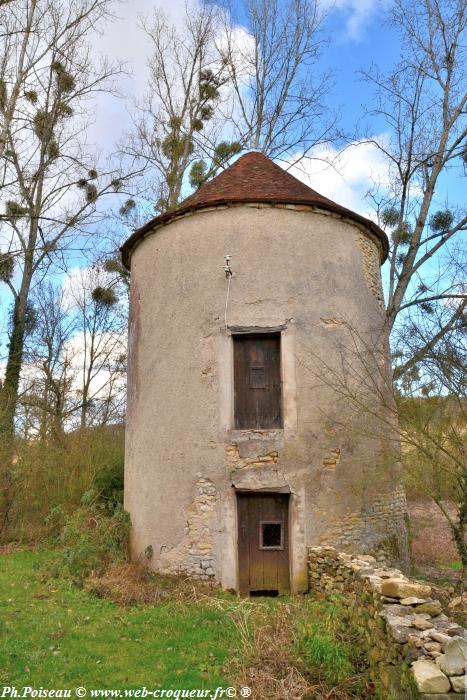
386, 513
415, 651
195, 555
378, 528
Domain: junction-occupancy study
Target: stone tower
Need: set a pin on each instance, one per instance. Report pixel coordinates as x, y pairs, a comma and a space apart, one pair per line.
245, 440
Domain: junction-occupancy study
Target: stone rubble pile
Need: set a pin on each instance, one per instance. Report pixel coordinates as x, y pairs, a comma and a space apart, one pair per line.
415, 650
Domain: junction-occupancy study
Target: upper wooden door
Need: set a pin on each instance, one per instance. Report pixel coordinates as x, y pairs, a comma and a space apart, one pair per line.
263, 543
257, 382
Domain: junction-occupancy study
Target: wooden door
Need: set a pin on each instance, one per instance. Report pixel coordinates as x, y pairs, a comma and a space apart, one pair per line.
263, 543
257, 382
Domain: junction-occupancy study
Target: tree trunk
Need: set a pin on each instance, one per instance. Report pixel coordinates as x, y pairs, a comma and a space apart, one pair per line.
9, 399
12, 372
11, 105
458, 533
9, 394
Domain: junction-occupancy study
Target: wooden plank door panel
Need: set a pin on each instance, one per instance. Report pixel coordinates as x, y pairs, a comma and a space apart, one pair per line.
243, 546
257, 382
269, 511
262, 568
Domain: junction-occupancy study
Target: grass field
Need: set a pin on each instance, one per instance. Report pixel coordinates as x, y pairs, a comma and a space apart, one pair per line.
54, 634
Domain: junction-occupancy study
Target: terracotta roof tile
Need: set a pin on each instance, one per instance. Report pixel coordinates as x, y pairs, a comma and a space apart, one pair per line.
254, 175
252, 178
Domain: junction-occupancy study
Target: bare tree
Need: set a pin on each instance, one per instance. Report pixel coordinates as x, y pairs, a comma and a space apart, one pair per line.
46, 400
423, 104
75, 361
52, 184
273, 68
176, 133
423, 427
101, 349
17, 22
433, 419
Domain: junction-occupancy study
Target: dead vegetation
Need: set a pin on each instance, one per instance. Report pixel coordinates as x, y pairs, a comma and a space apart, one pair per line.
434, 554
265, 664
433, 549
270, 663
268, 660
132, 584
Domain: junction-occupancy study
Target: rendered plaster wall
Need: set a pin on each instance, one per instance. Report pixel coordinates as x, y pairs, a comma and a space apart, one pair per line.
317, 278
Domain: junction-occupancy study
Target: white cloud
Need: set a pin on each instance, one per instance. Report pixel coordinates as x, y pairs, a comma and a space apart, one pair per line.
78, 347
346, 175
357, 14
75, 279
242, 47
109, 347
122, 40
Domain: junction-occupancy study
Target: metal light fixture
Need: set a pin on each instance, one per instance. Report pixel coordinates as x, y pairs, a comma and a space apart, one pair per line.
227, 268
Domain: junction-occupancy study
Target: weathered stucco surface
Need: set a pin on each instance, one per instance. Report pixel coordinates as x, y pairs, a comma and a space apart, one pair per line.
315, 276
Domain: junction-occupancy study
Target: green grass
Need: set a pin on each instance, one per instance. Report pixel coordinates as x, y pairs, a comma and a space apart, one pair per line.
322, 641
456, 565
54, 634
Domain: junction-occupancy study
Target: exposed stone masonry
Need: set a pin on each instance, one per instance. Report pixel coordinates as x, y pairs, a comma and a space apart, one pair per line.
376, 527
200, 528
414, 650
371, 265
332, 460
194, 554
384, 514
234, 460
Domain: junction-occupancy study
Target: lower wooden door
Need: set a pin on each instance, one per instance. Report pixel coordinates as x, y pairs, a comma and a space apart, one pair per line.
263, 543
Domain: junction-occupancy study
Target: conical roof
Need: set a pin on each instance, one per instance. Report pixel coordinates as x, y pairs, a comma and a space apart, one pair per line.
255, 176
252, 178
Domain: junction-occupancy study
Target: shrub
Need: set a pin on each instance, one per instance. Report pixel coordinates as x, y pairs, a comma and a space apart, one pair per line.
92, 539
52, 478
108, 483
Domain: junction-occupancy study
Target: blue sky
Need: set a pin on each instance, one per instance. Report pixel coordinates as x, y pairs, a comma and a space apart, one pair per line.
355, 28
358, 36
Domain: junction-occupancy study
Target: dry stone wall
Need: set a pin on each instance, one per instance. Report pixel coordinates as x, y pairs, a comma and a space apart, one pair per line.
415, 650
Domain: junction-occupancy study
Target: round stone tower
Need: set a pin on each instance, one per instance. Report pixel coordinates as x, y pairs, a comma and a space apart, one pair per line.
260, 418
